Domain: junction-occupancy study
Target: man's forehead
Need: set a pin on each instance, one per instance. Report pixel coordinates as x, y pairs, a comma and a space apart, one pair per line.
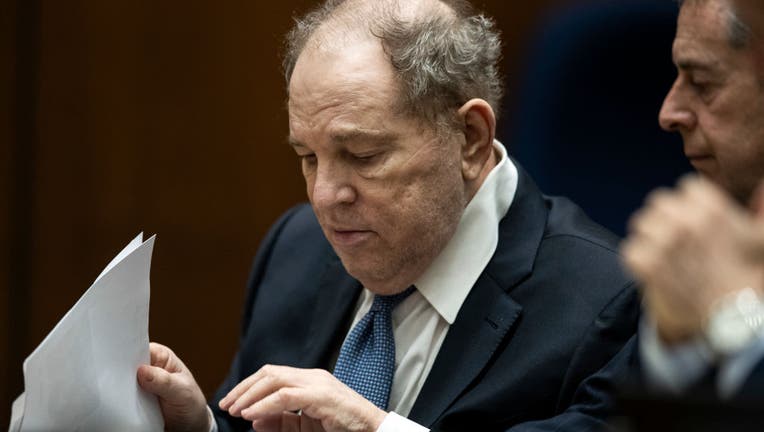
702, 36
697, 53
703, 19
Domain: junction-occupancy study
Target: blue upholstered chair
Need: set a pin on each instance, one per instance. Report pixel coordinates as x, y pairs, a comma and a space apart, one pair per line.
584, 118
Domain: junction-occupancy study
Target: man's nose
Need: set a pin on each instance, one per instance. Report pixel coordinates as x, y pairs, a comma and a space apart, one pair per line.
332, 186
675, 113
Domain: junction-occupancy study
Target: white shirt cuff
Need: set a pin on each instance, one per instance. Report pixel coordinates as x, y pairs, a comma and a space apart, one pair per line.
671, 369
395, 423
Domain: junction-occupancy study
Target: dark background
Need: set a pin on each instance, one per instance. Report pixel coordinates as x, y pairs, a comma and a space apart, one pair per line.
164, 117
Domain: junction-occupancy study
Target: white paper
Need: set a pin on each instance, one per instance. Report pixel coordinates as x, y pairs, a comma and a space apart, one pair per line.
82, 377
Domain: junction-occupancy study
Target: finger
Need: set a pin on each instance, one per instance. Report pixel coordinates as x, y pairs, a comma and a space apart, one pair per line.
237, 391
165, 358
647, 227
707, 195
635, 220
259, 390
248, 382
637, 255
158, 353
267, 380
630, 252
157, 381
664, 223
283, 399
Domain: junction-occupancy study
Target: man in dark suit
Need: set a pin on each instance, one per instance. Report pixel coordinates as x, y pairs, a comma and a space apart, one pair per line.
699, 250
426, 253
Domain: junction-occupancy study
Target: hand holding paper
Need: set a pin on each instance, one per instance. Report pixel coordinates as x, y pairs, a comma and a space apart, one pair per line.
181, 399
82, 376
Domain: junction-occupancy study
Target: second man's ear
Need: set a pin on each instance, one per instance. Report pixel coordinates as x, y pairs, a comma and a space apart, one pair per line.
479, 123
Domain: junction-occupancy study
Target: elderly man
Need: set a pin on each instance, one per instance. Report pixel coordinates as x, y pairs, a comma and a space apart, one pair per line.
698, 251
429, 274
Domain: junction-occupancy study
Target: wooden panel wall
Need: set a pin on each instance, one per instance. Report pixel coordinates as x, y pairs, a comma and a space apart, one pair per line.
163, 117
7, 72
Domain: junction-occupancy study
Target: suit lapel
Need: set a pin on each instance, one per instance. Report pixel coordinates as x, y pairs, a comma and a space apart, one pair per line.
489, 311
484, 320
336, 296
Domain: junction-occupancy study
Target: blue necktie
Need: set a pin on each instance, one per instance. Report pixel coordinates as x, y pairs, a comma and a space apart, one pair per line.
366, 362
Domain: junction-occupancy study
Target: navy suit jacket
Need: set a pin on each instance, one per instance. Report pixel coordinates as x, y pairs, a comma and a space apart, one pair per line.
550, 310
753, 388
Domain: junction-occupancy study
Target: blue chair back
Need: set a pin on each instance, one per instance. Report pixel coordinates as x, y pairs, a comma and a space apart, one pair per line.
584, 123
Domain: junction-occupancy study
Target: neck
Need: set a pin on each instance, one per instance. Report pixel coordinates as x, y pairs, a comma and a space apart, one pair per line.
471, 188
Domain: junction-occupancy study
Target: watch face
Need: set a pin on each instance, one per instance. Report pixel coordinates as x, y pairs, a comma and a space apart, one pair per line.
735, 323
728, 334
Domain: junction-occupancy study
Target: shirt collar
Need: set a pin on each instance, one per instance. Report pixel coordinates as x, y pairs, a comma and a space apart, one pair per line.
449, 279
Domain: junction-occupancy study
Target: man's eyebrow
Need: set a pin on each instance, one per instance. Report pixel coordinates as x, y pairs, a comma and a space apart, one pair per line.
692, 65
364, 135
350, 135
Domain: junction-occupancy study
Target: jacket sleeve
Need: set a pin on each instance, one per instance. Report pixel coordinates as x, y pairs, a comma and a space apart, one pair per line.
225, 422
603, 363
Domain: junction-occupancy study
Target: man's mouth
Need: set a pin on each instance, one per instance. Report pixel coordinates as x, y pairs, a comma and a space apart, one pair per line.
698, 156
349, 237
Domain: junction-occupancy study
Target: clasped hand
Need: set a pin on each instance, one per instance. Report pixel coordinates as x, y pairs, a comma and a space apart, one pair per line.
690, 247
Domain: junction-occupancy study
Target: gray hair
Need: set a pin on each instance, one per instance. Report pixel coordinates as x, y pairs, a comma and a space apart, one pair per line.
739, 33
441, 60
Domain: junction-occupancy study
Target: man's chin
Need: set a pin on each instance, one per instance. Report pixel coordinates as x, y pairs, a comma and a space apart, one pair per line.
740, 192
371, 275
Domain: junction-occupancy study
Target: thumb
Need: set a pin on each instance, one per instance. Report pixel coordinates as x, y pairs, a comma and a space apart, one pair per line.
156, 381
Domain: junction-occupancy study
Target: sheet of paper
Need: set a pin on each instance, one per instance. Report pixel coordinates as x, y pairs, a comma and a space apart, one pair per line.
82, 377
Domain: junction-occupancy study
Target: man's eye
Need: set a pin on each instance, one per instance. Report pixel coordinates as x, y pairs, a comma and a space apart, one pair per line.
701, 87
309, 159
366, 158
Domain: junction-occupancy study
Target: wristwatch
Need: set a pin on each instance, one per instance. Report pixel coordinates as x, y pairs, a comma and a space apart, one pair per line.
735, 322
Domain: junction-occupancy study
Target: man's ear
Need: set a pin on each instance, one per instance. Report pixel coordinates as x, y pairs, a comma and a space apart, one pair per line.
479, 123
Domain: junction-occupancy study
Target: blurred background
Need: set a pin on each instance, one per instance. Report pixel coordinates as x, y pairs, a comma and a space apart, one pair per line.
169, 117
